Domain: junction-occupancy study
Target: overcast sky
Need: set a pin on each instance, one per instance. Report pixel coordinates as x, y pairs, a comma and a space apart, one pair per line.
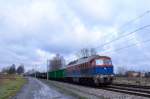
32, 31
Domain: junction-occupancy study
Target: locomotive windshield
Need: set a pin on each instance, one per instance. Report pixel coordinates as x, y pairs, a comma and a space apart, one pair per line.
103, 62
107, 62
99, 62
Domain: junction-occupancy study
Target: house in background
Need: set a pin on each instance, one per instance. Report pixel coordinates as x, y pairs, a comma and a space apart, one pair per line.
134, 74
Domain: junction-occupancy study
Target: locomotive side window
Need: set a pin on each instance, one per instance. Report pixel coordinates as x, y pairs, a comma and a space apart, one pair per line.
99, 62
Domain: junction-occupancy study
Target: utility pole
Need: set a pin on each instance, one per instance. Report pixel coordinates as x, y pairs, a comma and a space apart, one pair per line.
35, 71
47, 68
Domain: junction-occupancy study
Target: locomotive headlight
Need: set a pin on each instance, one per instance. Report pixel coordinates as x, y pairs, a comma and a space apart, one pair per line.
101, 76
111, 75
98, 76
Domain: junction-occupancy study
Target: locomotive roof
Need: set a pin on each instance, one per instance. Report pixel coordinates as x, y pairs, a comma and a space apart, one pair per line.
86, 59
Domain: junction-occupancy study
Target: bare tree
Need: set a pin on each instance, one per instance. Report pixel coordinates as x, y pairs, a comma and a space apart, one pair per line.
20, 69
86, 52
5, 70
93, 51
56, 62
122, 70
12, 69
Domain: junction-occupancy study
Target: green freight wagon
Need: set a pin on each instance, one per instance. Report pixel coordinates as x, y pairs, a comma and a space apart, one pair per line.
57, 74
51, 74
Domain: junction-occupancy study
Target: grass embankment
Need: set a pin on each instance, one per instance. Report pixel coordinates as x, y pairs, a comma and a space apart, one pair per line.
10, 85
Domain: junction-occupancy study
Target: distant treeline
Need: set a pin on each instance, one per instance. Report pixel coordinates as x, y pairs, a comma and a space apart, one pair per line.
13, 70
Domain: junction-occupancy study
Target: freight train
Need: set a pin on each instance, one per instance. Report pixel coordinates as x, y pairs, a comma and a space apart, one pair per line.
93, 69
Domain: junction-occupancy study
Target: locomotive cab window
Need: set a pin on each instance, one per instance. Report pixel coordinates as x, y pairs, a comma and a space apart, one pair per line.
99, 62
107, 62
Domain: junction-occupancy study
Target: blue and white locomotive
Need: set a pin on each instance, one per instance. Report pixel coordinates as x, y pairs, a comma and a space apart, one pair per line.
94, 69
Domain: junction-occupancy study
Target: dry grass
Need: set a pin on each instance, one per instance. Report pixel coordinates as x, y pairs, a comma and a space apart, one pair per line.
133, 80
10, 85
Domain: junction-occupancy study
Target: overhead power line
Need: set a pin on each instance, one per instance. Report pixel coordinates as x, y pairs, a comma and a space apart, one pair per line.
128, 46
132, 21
125, 35
138, 17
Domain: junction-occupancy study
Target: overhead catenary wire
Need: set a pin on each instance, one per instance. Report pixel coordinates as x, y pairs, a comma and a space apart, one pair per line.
131, 21
125, 35
140, 16
128, 46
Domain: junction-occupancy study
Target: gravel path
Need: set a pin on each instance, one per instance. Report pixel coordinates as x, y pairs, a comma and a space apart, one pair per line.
36, 89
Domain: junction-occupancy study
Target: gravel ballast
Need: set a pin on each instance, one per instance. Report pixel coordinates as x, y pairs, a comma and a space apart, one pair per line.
89, 92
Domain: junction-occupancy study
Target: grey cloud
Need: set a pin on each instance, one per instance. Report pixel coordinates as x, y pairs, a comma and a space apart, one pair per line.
70, 28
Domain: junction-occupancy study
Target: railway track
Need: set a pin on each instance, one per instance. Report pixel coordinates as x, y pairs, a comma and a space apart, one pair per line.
133, 86
143, 91
130, 89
